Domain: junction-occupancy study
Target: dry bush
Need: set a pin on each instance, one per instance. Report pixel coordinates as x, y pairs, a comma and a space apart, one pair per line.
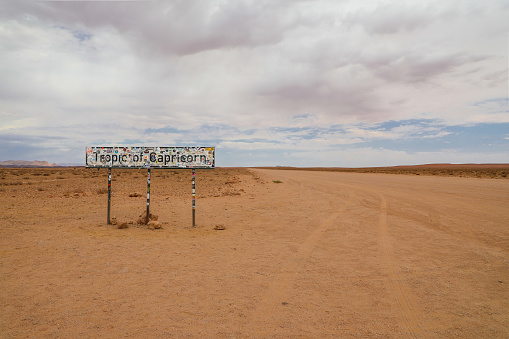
12, 183
101, 190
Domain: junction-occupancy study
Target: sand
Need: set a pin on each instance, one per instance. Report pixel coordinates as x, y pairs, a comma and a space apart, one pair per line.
274, 254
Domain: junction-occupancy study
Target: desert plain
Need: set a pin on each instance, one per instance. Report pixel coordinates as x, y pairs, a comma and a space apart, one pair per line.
274, 254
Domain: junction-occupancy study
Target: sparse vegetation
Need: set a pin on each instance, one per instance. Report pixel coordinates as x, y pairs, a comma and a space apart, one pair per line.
277, 181
481, 171
78, 190
103, 190
12, 183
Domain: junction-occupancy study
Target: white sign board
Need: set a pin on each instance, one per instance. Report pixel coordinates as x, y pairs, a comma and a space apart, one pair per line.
150, 157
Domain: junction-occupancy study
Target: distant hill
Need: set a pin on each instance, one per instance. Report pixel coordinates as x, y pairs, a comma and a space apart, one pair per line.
24, 163
454, 166
498, 171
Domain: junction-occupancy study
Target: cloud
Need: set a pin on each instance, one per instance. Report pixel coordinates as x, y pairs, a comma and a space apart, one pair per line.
257, 75
392, 18
172, 27
361, 157
416, 66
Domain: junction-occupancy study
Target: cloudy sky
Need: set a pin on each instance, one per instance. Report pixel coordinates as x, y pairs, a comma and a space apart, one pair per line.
297, 83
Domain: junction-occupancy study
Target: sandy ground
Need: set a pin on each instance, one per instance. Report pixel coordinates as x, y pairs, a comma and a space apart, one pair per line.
303, 254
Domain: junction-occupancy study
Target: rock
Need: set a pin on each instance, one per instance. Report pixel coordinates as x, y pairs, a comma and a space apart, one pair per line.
143, 218
219, 227
153, 224
123, 225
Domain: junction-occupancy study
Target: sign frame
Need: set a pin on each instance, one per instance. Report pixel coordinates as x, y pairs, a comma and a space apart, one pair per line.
151, 158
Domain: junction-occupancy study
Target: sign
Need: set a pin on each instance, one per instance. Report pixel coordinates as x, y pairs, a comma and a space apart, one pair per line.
150, 157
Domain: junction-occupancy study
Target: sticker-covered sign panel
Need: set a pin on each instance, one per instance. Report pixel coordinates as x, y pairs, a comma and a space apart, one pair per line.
151, 157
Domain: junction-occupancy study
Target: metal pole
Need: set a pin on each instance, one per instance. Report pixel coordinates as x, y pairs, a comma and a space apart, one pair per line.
194, 200
109, 194
148, 196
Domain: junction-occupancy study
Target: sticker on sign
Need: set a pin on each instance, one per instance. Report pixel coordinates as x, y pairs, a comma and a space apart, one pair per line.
150, 157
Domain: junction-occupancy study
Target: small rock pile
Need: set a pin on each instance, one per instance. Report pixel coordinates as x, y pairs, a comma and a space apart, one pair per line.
152, 223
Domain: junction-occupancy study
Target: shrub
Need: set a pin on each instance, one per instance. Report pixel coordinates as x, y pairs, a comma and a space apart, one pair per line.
103, 190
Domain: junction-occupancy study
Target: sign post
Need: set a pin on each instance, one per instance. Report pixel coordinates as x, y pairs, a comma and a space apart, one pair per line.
151, 157
109, 194
148, 196
194, 200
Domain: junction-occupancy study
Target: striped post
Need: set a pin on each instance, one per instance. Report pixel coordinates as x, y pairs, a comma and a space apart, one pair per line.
194, 200
109, 195
148, 196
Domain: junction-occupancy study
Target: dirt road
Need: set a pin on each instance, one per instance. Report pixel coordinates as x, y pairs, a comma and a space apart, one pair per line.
319, 254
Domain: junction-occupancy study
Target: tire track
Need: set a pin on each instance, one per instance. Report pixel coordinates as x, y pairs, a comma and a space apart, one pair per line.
431, 218
427, 215
280, 287
409, 309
